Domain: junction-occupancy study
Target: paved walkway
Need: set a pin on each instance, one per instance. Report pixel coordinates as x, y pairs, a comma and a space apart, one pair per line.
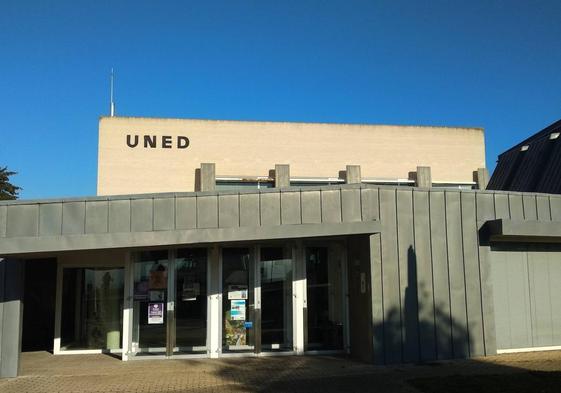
43, 372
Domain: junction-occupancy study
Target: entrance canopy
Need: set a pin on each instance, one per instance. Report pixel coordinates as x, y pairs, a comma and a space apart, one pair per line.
187, 218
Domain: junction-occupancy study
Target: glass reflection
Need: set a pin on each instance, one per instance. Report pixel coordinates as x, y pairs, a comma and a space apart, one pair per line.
92, 308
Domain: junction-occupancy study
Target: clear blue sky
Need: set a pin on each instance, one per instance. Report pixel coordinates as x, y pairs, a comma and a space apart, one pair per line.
492, 64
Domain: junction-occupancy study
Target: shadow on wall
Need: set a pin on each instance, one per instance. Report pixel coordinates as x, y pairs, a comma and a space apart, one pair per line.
422, 329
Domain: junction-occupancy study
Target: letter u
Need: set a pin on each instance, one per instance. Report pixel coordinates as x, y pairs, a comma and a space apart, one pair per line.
129, 144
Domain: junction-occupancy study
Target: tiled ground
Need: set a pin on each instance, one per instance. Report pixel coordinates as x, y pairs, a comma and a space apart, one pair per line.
42, 372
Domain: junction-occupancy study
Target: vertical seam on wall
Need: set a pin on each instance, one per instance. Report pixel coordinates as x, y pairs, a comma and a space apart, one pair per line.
259, 207
508, 205
480, 279
239, 210
464, 272
107, 226
153, 214
549, 208
360, 203
85, 217
196, 211
62, 218
280, 207
321, 206
523, 208
536, 205
217, 211
452, 346
175, 212
419, 355
39, 219
549, 297
130, 214
301, 206
341, 204
432, 276
530, 297
399, 278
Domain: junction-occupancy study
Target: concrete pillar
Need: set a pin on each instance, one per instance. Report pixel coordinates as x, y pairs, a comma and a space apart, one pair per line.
353, 174
282, 175
424, 178
482, 178
208, 177
11, 316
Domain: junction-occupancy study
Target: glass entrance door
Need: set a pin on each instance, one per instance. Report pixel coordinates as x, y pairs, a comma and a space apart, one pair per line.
325, 299
170, 302
238, 281
276, 299
190, 301
150, 310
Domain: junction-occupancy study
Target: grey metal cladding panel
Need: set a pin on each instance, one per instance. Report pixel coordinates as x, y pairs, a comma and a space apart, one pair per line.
350, 202
440, 275
460, 337
3, 219
369, 204
270, 208
425, 285
290, 208
142, 215
555, 294
311, 207
228, 211
377, 298
471, 266
73, 218
120, 216
407, 276
539, 290
544, 214
555, 205
390, 277
485, 207
502, 207
97, 213
501, 299
50, 219
331, 206
519, 300
23, 220
486, 211
530, 210
207, 211
249, 210
164, 214
186, 212
516, 208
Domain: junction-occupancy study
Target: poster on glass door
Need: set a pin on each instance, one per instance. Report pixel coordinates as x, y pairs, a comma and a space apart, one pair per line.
237, 310
155, 313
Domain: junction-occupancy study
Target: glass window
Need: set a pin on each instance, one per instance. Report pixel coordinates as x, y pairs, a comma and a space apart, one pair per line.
92, 308
237, 298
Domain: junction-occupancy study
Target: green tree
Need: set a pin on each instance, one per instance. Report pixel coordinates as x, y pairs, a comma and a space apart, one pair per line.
7, 189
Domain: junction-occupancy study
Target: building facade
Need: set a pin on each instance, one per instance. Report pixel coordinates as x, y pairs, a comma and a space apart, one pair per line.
387, 274
147, 155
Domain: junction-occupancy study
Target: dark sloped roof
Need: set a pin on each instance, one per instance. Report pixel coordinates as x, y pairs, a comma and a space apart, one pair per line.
533, 165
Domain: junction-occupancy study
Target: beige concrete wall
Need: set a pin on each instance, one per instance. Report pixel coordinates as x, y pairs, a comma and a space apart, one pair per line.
241, 148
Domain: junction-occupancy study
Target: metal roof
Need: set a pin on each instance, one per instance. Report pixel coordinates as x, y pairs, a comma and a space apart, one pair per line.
533, 165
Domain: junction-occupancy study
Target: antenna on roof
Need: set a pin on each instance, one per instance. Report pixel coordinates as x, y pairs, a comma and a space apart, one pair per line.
112, 102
